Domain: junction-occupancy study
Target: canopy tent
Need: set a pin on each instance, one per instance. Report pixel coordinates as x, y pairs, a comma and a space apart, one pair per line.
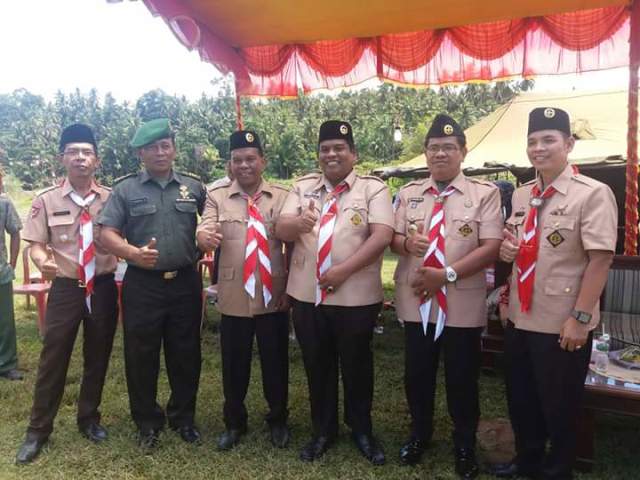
276, 47
598, 123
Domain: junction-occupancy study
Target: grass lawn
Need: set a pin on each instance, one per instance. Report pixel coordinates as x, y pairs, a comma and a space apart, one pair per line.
70, 456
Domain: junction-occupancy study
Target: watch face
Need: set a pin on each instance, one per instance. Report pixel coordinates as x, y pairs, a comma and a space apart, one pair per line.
451, 275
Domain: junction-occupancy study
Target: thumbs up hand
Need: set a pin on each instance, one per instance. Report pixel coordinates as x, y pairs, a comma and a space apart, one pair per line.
308, 218
147, 255
509, 247
417, 242
210, 237
49, 268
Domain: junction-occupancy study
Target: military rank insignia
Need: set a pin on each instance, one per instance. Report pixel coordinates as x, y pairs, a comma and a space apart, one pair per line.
184, 191
465, 230
356, 219
555, 238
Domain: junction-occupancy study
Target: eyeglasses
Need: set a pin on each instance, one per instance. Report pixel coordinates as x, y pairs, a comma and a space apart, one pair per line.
447, 149
74, 152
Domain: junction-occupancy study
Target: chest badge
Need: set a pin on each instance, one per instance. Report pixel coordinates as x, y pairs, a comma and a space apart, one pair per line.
356, 219
465, 230
184, 192
555, 238
468, 203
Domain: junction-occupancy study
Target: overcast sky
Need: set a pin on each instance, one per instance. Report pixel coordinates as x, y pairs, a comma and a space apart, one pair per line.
50, 45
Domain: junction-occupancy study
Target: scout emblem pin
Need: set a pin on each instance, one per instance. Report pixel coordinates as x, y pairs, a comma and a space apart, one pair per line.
555, 238
448, 129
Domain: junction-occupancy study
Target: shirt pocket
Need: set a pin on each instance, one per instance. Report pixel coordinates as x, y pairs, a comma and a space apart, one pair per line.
464, 228
561, 286
186, 207
142, 209
514, 225
558, 233
227, 273
356, 213
234, 226
62, 228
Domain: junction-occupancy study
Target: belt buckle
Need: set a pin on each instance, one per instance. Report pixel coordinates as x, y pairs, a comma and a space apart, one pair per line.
170, 275
81, 284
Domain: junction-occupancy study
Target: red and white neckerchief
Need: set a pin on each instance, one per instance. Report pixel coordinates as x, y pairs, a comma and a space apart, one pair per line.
325, 237
87, 248
528, 252
256, 252
434, 257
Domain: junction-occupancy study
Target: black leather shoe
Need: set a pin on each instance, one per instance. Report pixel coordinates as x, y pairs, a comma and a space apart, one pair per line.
94, 432
13, 374
510, 470
316, 447
280, 435
369, 447
466, 465
411, 452
30, 449
148, 439
188, 433
230, 438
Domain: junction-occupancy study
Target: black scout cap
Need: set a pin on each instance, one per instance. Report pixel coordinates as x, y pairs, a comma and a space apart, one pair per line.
244, 139
547, 118
444, 126
77, 133
336, 130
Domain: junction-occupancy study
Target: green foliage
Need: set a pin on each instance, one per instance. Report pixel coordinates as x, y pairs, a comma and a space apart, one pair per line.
30, 126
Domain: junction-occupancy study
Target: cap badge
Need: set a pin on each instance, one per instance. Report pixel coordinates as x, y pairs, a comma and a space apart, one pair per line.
448, 129
249, 137
549, 112
344, 129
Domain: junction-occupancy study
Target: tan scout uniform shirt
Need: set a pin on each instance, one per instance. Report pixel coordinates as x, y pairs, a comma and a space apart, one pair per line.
366, 201
472, 213
225, 204
55, 220
582, 215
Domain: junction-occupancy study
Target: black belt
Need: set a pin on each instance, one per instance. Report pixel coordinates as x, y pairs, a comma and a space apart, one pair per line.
76, 282
164, 274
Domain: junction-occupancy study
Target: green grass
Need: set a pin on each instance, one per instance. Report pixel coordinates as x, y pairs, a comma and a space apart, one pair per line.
69, 456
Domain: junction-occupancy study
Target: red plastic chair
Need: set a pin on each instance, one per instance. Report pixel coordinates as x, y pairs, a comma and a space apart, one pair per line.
33, 285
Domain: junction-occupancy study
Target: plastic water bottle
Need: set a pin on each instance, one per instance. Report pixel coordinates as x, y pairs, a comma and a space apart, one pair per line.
602, 353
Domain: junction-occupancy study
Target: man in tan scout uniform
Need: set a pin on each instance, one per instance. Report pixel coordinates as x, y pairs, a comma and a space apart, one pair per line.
57, 221
562, 236
239, 218
469, 211
341, 223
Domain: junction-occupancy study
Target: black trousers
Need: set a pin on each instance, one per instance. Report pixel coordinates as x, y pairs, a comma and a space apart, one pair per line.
544, 392
156, 313
461, 349
236, 340
332, 337
66, 310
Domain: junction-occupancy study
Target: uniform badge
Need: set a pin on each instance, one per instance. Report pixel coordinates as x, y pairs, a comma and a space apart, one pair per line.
555, 238
465, 230
184, 191
549, 112
535, 202
35, 210
344, 129
414, 201
468, 204
249, 137
448, 129
356, 219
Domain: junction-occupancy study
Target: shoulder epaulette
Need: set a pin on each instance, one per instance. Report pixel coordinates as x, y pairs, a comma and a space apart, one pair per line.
105, 187
481, 181
530, 182
218, 187
280, 187
190, 175
310, 176
45, 190
586, 180
371, 177
414, 183
124, 177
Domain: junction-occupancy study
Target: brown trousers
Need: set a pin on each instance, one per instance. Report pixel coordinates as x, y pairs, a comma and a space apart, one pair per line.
66, 310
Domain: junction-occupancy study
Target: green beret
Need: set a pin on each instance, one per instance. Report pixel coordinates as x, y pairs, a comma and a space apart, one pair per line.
151, 131
547, 118
444, 126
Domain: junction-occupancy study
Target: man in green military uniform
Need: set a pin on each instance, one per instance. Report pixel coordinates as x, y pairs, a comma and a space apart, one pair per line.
10, 223
150, 221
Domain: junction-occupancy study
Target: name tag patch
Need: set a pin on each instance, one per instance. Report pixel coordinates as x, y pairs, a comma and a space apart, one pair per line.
61, 213
138, 201
414, 201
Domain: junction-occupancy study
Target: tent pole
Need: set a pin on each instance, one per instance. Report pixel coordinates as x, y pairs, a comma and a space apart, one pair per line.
631, 198
238, 109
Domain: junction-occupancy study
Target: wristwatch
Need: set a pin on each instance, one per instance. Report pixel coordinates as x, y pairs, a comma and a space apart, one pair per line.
582, 317
451, 274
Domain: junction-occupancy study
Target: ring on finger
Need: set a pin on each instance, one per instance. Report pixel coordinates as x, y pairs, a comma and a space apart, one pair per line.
330, 289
